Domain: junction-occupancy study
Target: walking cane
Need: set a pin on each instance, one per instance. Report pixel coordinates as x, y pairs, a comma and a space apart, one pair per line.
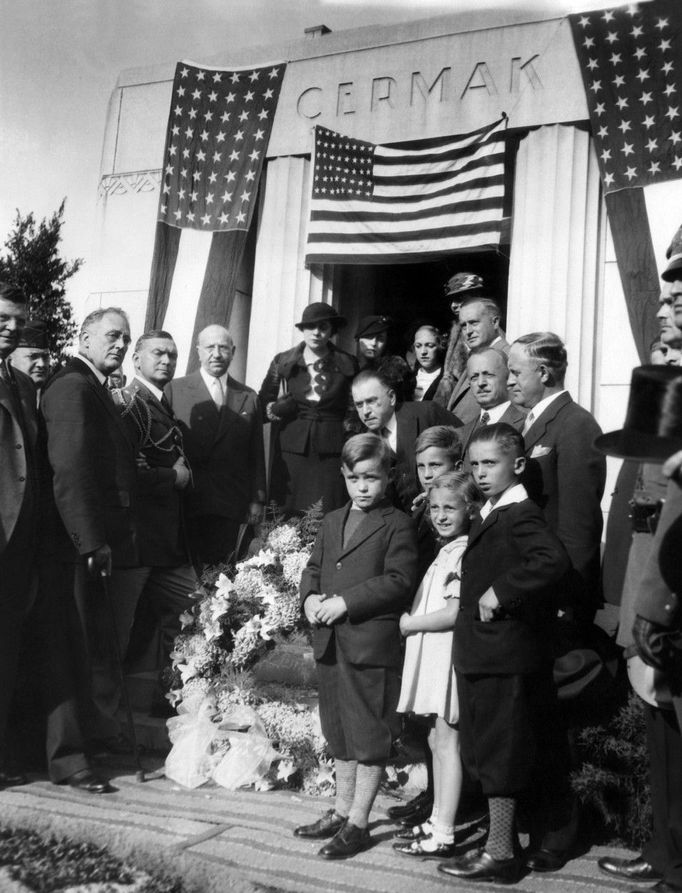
104, 577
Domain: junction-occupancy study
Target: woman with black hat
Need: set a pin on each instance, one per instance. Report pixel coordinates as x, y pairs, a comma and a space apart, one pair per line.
306, 395
372, 338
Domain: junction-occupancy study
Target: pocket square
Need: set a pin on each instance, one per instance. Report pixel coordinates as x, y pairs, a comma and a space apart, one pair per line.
539, 450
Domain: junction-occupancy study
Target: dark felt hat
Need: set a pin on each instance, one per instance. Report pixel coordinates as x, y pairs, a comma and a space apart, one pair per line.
653, 423
373, 325
34, 334
674, 256
463, 283
320, 312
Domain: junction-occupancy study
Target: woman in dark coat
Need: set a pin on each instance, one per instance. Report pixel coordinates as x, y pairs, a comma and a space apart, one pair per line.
306, 395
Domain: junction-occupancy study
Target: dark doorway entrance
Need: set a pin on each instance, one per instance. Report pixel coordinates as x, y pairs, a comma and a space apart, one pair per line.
413, 292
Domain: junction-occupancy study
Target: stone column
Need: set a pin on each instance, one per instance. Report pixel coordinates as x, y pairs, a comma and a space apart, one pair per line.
553, 273
282, 286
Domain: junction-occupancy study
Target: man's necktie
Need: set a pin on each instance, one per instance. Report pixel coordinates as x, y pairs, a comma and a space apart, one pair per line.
217, 392
530, 418
485, 420
166, 405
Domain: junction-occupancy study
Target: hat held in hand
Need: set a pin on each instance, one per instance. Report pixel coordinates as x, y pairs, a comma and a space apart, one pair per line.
653, 423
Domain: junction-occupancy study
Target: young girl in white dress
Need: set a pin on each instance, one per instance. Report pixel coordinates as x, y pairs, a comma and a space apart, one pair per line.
429, 687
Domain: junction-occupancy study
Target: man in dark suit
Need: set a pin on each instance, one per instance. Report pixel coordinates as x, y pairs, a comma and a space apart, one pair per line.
19, 483
565, 476
94, 535
565, 473
222, 427
487, 373
479, 320
399, 425
166, 575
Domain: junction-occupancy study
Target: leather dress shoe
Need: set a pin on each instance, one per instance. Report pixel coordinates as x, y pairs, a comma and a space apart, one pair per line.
86, 781
414, 812
546, 860
327, 826
629, 869
10, 778
479, 866
347, 842
660, 887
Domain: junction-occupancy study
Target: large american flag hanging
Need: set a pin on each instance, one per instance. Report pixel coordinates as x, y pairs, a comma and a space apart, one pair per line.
631, 62
630, 59
384, 204
218, 130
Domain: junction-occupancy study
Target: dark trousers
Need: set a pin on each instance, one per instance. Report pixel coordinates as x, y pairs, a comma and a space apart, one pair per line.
17, 583
664, 850
212, 538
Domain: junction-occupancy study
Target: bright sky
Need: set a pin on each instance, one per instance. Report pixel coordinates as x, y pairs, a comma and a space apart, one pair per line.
59, 62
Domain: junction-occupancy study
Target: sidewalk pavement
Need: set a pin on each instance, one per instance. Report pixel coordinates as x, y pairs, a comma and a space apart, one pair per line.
242, 842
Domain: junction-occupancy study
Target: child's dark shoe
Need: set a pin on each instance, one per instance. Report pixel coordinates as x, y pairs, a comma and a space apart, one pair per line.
347, 842
327, 826
417, 832
426, 849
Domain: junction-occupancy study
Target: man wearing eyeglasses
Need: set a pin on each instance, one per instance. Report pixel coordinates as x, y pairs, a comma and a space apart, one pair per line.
220, 419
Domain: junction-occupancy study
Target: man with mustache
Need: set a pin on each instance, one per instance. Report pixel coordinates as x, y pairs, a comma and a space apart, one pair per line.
93, 460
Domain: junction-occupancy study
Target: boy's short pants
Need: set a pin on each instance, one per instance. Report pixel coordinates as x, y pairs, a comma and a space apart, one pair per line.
357, 707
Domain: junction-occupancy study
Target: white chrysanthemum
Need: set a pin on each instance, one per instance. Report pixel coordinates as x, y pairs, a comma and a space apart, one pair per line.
293, 566
284, 539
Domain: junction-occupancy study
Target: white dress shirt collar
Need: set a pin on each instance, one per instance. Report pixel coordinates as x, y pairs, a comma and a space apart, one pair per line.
101, 377
150, 387
542, 405
392, 438
515, 493
496, 413
209, 379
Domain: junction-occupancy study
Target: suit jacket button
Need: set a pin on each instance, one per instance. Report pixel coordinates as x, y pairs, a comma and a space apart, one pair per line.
18, 446
22, 479
338, 565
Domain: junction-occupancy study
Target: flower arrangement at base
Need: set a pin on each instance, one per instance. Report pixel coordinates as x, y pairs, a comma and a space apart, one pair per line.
228, 727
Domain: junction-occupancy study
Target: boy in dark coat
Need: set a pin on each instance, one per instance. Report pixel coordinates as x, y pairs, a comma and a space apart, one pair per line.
503, 665
360, 577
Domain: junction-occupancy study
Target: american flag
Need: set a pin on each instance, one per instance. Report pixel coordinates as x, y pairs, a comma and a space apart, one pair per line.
631, 62
218, 131
377, 204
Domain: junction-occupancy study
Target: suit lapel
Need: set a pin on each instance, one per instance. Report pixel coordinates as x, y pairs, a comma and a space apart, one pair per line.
480, 526
234, 401
539, 426
373, 521
103, 396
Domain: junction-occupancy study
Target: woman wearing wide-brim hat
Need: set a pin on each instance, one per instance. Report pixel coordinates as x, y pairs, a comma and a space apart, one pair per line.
306, 395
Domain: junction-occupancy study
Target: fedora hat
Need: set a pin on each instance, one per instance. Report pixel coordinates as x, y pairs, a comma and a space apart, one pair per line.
674, 257
653, 423
463, 283
320, 312
373, 325
34, 334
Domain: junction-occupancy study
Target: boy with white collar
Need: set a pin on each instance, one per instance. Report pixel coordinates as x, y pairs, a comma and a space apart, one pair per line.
503, 664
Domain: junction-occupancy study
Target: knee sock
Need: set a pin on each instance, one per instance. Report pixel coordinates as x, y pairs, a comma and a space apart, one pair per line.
345, 785
367, 784
500, 843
